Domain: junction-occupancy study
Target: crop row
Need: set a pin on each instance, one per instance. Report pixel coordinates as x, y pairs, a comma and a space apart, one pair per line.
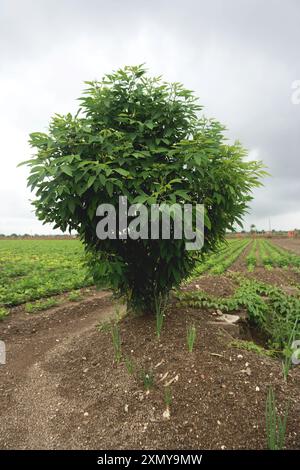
272, 255
218, 263
251, 258
33, 269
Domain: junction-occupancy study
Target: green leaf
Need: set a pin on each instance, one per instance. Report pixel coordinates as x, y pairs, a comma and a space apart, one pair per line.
122, 172
71, 205
207, 221
183, 194
109, 188
198, 159
149, 124
67, 170
90, 182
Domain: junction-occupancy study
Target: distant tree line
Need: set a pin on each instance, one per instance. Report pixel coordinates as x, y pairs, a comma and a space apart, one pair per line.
36, 235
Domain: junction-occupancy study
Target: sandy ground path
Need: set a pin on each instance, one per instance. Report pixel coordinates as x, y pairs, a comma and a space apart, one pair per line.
30, 401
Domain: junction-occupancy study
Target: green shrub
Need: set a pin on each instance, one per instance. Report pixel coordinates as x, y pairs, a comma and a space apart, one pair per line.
142, 138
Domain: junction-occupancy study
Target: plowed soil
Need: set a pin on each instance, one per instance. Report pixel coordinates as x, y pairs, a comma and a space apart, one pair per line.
62, 389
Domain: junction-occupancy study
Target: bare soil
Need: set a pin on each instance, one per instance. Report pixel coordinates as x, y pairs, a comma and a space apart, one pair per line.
287, 280
61, 388
217, 286
240, 262
291, 244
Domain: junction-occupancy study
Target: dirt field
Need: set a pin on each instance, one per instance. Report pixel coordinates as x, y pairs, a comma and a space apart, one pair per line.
291, 244
62, 389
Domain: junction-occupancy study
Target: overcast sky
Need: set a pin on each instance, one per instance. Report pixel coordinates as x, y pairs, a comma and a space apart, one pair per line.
240, 56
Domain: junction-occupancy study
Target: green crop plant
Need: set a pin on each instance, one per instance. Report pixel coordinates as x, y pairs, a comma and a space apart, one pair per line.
160, 308
168, 396
147, 378
265, 255
281, 257
275, 256
35, 269
191, 337
168, 401
217, 263
41, 305
228, 259
275, 424
251, 258
75, 296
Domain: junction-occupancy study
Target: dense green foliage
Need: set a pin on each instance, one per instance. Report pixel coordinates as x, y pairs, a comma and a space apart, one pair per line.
142, 138
33, 269
268, 307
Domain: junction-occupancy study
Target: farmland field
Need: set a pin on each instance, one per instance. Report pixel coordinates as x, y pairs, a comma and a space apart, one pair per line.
267, 286
36, 269
249, 254
63, 388
33, 269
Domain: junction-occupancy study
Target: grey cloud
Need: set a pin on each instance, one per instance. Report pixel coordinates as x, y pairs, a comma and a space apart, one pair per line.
240, 57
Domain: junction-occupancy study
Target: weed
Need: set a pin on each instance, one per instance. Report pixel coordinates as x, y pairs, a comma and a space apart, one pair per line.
129, 365
104, 326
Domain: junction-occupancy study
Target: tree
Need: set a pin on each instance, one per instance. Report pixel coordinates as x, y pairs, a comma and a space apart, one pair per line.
142, 138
